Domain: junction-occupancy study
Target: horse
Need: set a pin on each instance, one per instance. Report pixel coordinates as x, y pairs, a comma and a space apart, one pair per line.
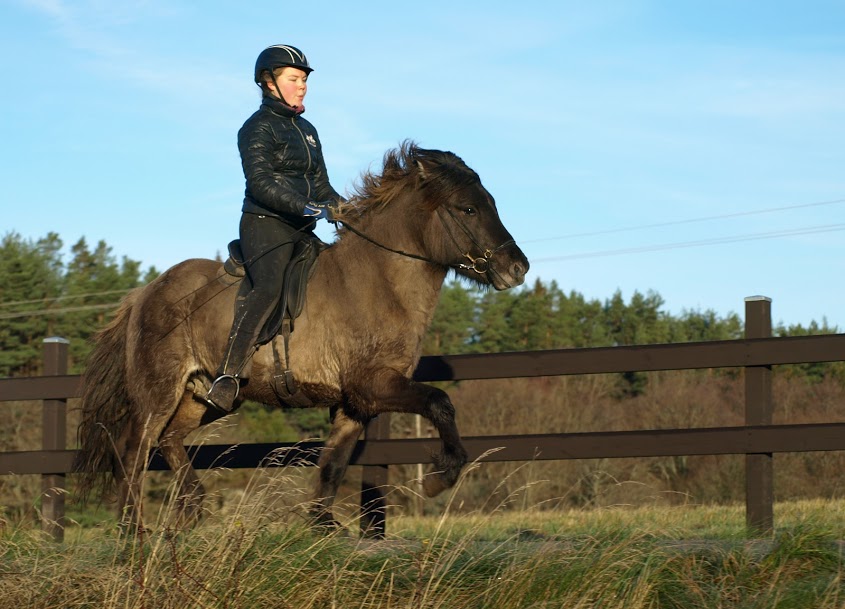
370, 298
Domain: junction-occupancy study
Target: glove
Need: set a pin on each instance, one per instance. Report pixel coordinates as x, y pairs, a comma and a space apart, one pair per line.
323, 210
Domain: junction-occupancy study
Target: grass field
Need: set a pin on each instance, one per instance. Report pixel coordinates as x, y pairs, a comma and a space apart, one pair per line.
680, 557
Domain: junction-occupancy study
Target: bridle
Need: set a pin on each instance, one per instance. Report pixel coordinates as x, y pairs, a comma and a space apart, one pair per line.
478, 264
481, 264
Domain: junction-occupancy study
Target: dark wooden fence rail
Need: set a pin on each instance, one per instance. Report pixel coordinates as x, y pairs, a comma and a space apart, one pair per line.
758, 439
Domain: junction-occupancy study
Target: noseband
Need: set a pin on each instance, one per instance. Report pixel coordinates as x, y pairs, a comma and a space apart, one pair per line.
480, 264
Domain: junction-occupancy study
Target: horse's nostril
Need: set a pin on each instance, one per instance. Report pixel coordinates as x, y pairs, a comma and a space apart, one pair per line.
517, 270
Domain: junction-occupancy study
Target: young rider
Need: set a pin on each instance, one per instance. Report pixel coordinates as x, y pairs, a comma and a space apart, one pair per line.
287, 191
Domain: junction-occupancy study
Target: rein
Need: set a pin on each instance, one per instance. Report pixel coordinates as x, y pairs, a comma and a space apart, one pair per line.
478, 265
355, 231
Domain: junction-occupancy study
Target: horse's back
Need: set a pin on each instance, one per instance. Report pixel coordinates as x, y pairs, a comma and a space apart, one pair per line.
180, 319
186, 285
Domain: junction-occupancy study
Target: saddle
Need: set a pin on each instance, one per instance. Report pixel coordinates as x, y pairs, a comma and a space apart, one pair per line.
288, 307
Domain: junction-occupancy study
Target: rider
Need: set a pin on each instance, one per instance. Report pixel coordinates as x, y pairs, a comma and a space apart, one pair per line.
287, 191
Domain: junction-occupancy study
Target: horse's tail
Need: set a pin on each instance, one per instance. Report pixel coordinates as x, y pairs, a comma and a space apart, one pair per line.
105, 405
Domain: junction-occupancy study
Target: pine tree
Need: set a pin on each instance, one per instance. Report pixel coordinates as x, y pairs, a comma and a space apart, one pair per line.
534, 320
495, 331
452, 328
30, 282
93, 285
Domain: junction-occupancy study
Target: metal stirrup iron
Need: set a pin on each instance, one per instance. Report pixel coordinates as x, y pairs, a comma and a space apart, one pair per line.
217, 380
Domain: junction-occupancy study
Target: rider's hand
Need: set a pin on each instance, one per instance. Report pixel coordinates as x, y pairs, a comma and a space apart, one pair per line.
321, 210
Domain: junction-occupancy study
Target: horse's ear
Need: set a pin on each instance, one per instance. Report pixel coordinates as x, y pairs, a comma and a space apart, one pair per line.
421, 167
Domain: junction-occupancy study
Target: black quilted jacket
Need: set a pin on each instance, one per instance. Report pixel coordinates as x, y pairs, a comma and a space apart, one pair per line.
283, 163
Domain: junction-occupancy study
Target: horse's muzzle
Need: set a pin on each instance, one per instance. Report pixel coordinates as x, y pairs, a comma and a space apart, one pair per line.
508, 268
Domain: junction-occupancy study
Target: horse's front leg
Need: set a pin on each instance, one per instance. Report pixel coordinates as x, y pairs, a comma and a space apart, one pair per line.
333, 461
452, 458
389, 391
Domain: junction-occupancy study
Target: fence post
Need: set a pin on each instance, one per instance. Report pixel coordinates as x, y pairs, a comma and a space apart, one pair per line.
373, 481
54, 437
759, 476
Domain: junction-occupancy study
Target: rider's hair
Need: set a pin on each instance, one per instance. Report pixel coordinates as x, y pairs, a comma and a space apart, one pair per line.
265, 87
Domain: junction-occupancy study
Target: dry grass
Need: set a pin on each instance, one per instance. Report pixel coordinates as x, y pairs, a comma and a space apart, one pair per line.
259, 553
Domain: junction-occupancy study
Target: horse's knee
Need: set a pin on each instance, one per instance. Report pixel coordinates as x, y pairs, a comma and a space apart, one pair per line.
440, 408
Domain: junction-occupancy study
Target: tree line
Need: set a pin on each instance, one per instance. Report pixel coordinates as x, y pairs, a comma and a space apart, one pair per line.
47, 291
42, 294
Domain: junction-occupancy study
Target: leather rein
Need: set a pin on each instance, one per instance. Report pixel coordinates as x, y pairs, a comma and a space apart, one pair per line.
480, 264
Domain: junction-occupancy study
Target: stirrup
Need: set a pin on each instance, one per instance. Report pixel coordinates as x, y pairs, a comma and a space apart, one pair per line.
207, 397
227, 376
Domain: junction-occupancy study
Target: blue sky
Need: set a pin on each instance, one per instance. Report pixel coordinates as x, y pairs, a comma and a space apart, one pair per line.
693, 149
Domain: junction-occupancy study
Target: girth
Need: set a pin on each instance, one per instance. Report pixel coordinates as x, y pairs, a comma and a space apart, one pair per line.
288, 307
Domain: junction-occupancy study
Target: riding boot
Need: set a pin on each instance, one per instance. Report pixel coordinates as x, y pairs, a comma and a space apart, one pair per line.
236, 362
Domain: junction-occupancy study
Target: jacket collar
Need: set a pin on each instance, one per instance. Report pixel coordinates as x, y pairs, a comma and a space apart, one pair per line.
279, 107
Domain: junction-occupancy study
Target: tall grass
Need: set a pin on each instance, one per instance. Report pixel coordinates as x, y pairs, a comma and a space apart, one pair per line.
260, 553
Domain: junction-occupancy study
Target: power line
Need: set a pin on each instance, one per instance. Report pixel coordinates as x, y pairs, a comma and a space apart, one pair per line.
687, 221
808, 230
59, 311
67, 297
596, 254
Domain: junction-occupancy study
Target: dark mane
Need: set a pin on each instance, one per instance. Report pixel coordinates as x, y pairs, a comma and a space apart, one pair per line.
436, 173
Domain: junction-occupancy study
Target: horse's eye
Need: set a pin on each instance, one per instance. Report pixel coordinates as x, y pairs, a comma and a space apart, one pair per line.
469, 211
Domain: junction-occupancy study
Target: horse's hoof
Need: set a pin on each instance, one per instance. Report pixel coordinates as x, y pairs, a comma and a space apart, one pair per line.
326, 525
434, 484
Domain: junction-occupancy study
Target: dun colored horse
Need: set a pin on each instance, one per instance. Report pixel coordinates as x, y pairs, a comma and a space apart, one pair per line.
368, 303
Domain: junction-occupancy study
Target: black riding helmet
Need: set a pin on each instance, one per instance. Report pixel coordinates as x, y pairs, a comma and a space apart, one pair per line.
279, 56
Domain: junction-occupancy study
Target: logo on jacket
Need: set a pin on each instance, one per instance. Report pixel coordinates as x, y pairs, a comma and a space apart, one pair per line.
310, 139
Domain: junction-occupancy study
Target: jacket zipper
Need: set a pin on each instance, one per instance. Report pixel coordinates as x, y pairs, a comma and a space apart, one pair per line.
307, 151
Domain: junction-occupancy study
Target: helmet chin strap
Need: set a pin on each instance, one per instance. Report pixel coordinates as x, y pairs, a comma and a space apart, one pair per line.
278, 93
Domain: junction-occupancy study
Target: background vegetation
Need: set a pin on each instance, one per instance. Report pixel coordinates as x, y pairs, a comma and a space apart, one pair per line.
44, 292
255, 557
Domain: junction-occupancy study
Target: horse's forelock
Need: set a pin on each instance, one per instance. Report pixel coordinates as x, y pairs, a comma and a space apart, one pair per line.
445, 174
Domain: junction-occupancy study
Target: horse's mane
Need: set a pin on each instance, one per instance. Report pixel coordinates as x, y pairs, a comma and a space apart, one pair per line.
436, 172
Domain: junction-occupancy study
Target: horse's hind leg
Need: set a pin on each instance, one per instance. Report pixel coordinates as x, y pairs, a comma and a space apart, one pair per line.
333, 461
134, 450
129, 469
189, 492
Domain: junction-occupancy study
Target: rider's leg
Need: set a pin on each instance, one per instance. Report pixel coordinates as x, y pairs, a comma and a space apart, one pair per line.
267, 244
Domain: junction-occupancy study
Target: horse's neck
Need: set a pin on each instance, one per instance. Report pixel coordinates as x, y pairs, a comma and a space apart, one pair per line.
406, 285
414, 283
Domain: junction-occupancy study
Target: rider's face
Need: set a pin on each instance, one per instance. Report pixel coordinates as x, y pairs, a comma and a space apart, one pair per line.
291, 85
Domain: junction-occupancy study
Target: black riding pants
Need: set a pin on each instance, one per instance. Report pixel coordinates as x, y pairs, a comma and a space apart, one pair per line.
267, 244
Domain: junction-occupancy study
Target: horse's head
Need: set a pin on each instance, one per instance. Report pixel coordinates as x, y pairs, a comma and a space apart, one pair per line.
429, 205
465, 231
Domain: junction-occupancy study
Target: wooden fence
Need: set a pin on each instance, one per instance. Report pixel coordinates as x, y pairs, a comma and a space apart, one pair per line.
758, 439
